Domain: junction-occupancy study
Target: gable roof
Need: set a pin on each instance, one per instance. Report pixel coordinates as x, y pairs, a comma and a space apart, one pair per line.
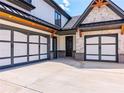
16, 12
58, 8
71, 22
111, 5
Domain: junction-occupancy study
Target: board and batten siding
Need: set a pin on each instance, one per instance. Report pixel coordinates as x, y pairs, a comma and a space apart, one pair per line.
101, 14
46, 12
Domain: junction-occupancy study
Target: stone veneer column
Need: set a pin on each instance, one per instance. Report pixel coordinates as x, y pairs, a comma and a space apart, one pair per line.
79, 55
121, 48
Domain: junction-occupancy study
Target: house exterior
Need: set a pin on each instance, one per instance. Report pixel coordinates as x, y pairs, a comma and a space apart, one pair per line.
36, 30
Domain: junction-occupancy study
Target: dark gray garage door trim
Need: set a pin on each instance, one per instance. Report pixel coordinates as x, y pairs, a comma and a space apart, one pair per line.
113, 35
28, 55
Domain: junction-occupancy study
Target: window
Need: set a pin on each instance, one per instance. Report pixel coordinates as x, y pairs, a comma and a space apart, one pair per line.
29, 1
57, 19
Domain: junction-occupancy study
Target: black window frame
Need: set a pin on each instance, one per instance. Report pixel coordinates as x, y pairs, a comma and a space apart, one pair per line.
28, 1
57, 18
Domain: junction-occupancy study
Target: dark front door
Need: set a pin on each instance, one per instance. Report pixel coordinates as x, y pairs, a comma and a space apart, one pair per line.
69, 46
54, 47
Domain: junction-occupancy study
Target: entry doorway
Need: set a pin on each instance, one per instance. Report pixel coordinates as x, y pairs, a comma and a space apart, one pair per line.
69, 46
54, 47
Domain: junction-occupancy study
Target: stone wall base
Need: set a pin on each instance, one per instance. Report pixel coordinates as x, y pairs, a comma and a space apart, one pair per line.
79, 56
61, 54
121, 58
51, 55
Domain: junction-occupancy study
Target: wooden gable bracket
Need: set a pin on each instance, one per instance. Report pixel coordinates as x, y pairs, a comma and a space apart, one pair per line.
53, 33
80, 32
122, 29
100, 3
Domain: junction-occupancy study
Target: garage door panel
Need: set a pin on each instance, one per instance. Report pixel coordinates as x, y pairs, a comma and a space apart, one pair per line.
33, 49
34, 38
20, 60
92, 49
92, 57
5, 49
20, 49
18, 36
5, 35
14, 47
92, 40
108, 49
33, 58
43, 49
43, 39
43, 57
4, 62
109, 58
108, 39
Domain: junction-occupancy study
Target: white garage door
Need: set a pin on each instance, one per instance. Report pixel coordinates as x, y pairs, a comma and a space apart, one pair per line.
18, 47
5, 47
101, 48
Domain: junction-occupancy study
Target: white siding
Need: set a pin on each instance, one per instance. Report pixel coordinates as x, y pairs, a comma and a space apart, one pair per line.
46, 12
64, 20
43, 11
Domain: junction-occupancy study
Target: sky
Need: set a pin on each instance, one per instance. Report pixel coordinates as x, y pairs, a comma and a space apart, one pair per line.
77, 7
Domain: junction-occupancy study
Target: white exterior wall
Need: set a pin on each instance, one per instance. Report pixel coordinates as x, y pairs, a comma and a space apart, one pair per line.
61, 43
43, 11
64, 20
46, 12
80, 40
101, 14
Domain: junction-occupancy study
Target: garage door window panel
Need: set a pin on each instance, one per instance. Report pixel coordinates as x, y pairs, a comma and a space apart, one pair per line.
5, 48
5, 35
20, 49
108, 40
20, 37
92, 40
92, 49
43, 39
110, 48
4, 62
109, 58
93, 57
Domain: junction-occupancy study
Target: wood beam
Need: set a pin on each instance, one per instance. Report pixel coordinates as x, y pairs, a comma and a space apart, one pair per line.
122, 29
22, 21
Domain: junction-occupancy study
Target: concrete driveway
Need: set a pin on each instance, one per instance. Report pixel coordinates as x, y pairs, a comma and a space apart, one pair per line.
64, 76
